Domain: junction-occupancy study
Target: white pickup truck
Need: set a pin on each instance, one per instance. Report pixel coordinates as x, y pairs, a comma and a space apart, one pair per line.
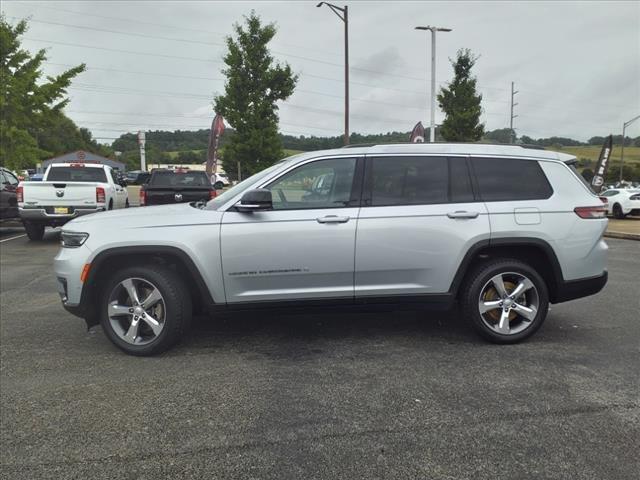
67, 191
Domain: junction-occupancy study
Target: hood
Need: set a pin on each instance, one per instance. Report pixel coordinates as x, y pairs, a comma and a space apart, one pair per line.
140, 217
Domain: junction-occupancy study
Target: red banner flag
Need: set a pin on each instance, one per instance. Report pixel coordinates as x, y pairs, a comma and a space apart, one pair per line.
417, 134
217, 129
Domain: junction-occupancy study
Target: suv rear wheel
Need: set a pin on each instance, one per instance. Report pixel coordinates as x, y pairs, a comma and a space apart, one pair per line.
145, 309
506, 300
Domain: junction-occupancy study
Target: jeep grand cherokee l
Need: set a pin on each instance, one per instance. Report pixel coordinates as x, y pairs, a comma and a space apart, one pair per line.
503, 230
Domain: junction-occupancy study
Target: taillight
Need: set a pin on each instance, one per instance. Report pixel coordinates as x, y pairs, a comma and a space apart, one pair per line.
100, 196
591, 212
143, 197
212, 193
20, 193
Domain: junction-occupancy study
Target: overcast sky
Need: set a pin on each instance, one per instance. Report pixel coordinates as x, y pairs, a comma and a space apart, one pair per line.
576, 65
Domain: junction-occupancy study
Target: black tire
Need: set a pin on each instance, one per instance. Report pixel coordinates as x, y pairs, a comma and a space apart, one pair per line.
478, 277
126, 203
617, 211
110, 205
218, 185
35, 231
177, 301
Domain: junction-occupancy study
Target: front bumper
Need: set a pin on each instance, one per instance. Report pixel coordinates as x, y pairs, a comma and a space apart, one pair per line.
580, 288
43, 215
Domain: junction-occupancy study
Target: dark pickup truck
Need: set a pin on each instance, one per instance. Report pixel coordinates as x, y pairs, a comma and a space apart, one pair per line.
168, 186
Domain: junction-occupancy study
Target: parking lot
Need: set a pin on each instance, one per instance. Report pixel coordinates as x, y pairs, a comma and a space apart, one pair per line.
379, 394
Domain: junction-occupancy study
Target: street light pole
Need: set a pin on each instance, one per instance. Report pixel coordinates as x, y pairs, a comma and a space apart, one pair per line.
433, 30
624, 128
343, 14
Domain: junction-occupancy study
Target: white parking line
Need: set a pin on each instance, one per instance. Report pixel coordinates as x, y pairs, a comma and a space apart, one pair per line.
13, 238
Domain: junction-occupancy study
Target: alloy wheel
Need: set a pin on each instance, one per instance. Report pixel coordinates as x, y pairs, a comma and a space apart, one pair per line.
136, 311
508, 303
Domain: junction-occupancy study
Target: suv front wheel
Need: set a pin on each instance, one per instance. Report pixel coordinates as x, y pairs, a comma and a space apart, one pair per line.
145, 309
506, 300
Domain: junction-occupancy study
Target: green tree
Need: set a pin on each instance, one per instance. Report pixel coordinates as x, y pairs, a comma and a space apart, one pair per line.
461, 103
501, 135
28, 105
255, 82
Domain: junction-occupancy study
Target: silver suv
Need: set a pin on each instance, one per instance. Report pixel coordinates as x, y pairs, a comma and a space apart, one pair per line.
503, 230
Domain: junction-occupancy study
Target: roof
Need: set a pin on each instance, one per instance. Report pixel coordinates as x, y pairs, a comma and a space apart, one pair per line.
444, 149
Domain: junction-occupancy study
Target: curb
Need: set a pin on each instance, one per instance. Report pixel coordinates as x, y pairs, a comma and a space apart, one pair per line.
625, 236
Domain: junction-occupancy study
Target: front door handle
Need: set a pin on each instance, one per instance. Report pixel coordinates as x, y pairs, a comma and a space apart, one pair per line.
462, 214
332, 219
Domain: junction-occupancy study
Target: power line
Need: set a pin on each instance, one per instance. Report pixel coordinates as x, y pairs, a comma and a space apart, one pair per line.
299, 57
176, 27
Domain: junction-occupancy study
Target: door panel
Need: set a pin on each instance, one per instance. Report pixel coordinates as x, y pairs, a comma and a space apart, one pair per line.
414, 249
280, 255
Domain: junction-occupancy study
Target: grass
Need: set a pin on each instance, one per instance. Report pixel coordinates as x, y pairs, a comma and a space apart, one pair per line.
591, 153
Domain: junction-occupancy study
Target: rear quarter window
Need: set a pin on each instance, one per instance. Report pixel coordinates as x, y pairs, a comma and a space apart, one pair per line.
505, 179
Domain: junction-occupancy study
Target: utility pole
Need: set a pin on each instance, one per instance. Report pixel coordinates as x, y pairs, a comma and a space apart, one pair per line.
624, 128
513, 132
141, 142
433, 30
343, 14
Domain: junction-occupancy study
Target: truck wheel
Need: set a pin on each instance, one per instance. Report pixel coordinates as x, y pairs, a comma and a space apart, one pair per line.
617, 211
35, 231
110, 204
145, 309
505, 299
218, 185
126, 203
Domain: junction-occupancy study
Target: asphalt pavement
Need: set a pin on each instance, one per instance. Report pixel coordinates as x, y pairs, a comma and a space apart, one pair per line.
381, 394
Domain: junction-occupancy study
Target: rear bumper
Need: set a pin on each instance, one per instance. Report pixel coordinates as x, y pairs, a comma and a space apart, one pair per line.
580, 288
40, 215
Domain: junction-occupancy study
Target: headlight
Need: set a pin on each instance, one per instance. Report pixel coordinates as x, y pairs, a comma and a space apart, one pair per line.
73, 239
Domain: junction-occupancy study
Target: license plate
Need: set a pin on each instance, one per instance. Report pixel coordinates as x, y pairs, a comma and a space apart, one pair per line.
60, 210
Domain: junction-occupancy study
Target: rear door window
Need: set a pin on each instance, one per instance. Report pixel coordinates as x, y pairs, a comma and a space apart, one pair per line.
420, 180
505, 179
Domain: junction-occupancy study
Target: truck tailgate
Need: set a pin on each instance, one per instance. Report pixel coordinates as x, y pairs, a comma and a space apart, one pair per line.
164, 195
59, 193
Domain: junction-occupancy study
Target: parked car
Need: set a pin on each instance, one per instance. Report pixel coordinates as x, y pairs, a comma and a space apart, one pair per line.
67, 191
36, 177
220, 180
8, 197
172, 186
137, 177
503, 230
622, 202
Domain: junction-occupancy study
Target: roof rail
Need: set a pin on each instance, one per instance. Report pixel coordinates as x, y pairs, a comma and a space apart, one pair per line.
360, 145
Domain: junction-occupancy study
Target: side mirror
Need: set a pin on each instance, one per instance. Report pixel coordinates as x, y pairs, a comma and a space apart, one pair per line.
255, 200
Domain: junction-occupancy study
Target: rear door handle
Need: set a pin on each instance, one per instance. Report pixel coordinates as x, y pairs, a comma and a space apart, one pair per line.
332, 219
463, 214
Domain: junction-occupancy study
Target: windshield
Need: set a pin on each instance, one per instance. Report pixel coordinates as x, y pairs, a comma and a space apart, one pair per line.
76, 174
233, 191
